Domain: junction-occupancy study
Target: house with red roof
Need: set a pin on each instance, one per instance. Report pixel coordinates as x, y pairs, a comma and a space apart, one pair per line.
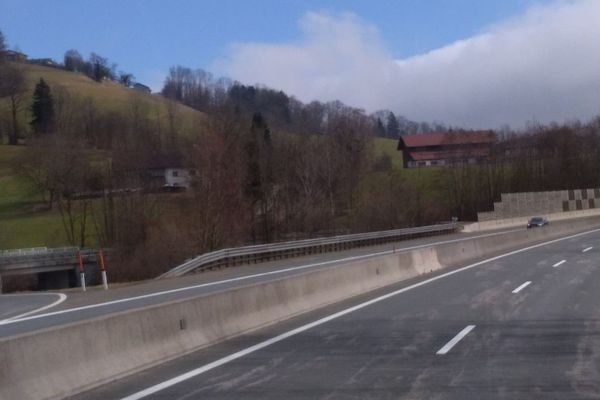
431, 149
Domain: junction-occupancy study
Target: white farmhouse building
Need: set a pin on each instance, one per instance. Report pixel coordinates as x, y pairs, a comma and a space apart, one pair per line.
170, 177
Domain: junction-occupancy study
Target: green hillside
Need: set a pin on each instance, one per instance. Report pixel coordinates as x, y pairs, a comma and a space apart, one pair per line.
24, 221
106, 95
388, 147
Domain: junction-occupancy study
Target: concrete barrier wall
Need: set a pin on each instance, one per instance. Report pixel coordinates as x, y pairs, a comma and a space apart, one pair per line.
64, 360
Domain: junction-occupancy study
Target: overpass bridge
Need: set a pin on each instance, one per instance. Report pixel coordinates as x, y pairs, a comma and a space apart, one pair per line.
56, 268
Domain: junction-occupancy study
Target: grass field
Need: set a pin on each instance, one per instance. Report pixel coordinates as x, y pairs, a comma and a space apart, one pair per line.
388, 147
107, 96
20, 225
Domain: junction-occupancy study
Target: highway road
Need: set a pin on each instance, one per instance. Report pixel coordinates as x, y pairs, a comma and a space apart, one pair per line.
525, 325
94, 303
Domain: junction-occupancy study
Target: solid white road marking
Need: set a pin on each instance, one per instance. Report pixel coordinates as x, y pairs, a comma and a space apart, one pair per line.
587, 249
559, 263
222, 361
245, 277
61, 297
523, 286
448, 346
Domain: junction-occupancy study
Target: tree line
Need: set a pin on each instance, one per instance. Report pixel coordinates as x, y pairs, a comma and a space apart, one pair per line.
200, 90
96, 67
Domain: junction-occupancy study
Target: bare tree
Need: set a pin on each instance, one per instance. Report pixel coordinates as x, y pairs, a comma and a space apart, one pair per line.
126, 79
2, 45
309, 170
66, 110
60, 169
73, 61
348, 146
13, 87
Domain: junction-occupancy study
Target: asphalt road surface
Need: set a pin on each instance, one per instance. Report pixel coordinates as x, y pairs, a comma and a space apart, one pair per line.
524, 326
94, 303
17, 305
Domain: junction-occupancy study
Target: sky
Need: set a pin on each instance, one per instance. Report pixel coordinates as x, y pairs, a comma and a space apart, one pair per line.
469, 63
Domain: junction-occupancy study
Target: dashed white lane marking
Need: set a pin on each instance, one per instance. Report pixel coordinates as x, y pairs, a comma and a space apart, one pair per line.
234, 356
61, 297
558, 264
587, 249
523, 286
448, 346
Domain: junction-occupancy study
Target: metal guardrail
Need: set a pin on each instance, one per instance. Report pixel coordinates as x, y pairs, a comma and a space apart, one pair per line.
262, 252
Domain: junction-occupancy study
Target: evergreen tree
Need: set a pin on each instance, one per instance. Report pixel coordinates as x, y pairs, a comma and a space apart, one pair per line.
259, 184
42, 109
380, 128
393, 128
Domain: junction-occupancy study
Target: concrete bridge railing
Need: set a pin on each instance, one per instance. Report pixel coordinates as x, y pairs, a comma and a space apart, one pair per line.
56, 268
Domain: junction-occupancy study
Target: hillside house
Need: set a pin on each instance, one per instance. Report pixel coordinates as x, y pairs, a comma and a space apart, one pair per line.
142, 88
166, 172
432, 149
169, 177
15, 56
158, 173
46, 62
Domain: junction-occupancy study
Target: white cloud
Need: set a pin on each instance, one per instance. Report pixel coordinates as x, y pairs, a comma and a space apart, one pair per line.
544, 66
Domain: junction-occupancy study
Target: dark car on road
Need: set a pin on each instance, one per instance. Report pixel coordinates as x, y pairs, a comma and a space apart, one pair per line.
537, 222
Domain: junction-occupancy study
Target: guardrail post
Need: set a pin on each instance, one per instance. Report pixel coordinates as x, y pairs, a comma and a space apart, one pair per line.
102, 269
81, 271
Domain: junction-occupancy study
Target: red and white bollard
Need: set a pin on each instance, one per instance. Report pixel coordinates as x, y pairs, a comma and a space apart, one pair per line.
102, 269
81, 271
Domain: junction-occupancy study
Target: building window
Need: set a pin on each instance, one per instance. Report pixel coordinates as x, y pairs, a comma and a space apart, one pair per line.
175, 174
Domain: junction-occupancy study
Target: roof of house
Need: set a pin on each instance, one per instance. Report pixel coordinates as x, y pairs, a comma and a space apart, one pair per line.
155, 161
138, 85
15, 52
446, 138
163, 161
